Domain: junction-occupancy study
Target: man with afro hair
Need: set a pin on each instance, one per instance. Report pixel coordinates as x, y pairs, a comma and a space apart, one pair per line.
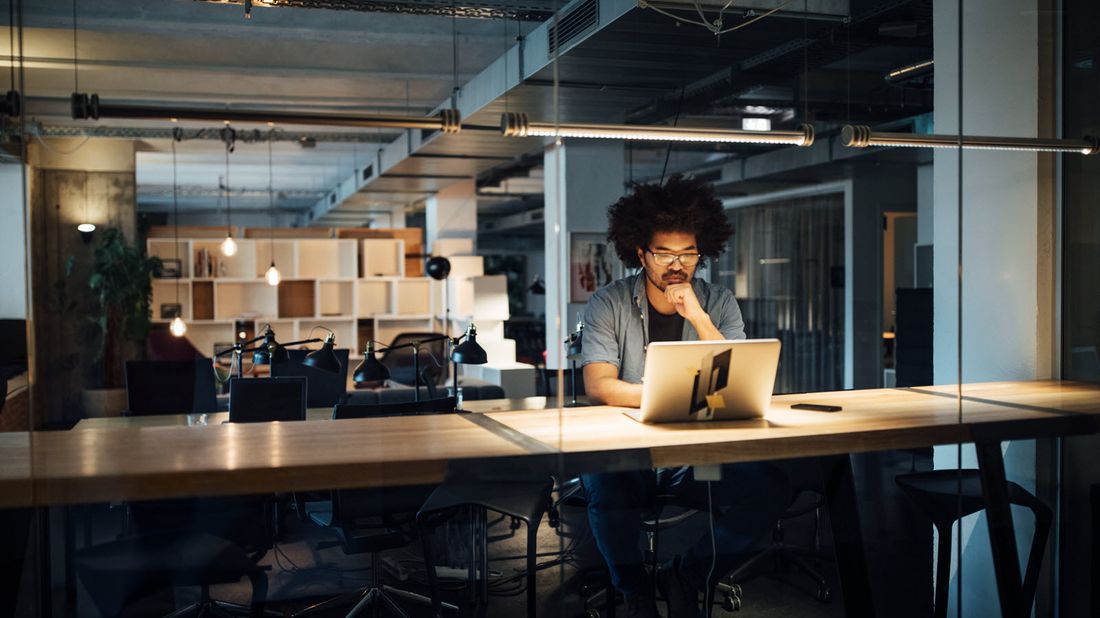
666, 230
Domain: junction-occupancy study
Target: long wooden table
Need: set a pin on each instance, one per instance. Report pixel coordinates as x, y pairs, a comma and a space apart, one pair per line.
132, 459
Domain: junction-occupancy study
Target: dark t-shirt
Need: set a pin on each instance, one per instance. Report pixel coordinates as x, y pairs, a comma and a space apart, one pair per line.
665, 327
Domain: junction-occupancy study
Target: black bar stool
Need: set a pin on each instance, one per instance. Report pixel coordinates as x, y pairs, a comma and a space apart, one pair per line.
941, 494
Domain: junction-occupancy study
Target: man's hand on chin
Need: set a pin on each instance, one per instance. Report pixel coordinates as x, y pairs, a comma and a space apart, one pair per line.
682, 296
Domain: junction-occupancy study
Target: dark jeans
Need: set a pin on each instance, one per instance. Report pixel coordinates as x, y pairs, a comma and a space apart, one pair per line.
750, 498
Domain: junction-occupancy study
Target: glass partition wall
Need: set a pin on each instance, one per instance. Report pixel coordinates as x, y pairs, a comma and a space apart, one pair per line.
617, 178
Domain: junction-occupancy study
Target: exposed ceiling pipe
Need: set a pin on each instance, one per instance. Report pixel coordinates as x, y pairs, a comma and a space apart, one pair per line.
85, 107
253, 136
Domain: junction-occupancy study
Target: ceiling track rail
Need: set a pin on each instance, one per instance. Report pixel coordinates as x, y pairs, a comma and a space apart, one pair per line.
438, 8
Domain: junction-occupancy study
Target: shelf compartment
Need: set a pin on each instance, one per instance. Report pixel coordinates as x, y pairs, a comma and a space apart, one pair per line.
382, 257
240, 266
245, 300
164, 293
335, 299
286, 257
373, 297
327, 259
202, 300
296, 299
412, 296
204, 336
166, 249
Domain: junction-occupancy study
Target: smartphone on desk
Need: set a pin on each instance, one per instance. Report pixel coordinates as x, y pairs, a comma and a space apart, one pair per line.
815, 407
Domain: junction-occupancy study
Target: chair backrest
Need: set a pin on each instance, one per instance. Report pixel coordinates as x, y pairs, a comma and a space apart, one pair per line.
550, 382
257, 400
427, 406
324, 389
170, 387
400, 362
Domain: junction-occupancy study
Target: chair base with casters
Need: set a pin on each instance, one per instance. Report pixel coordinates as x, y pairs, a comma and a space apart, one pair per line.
780, 556
120, 572
524, 500
948, 495
376, 594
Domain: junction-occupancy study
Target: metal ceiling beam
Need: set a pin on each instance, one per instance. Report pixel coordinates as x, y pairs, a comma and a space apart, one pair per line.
519, 63
531, 11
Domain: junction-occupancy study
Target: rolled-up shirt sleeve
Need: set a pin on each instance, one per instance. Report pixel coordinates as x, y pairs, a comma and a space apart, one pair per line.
730, 323
600, 344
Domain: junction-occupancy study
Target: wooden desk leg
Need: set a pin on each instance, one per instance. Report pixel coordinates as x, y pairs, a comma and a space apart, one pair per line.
840, 494
1002, 534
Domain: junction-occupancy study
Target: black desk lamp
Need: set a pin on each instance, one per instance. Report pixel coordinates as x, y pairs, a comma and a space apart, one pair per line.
467, 353
573, 348
271, 352
370, 370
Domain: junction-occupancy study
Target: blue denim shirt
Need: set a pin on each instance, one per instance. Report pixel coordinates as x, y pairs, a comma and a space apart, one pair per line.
616, 323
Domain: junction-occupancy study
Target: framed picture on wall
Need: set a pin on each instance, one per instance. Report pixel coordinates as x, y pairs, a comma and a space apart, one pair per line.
592, 264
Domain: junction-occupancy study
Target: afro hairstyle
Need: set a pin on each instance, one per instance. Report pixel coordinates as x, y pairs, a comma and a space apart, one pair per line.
679, 205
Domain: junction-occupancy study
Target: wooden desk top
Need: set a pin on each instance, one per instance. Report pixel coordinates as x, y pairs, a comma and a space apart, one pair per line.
144, 462
872, 420
312, 414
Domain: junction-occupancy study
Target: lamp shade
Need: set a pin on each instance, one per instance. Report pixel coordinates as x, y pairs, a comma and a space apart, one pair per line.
270, 352
370, 370
324, 359
438, 268
469, 352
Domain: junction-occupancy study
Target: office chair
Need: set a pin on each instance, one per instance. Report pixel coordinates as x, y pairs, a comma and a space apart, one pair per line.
358, 515
949, 495
190, 542
525, 500
257, 400
807, 497
323, 389
400, 362
170, 387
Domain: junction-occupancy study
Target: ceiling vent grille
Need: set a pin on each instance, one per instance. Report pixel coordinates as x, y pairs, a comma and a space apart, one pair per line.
571, 25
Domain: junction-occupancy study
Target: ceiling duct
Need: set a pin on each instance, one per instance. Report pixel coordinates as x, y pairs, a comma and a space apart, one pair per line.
466, 9
573, 24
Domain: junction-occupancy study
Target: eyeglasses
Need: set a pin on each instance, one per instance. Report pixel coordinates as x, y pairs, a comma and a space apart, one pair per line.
666, 259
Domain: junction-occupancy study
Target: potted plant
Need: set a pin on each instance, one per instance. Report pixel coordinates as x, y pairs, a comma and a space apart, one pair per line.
120, 315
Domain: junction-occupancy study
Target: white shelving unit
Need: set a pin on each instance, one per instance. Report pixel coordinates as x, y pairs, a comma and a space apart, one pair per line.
321, 286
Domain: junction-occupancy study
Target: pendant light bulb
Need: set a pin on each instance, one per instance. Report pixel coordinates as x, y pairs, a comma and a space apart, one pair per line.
229, 247
178, 327
273, 277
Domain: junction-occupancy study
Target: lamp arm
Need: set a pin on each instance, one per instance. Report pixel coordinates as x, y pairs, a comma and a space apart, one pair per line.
313, 340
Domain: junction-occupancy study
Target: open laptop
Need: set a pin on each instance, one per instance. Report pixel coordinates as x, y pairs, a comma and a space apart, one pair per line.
707, 380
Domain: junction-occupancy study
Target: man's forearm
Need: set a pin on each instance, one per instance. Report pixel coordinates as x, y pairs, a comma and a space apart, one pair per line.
615, 392
706, 329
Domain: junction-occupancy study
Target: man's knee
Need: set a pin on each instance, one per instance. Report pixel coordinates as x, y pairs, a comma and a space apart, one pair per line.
614, 490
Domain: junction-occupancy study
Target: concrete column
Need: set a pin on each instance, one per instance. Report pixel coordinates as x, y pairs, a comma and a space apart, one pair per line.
13, 244
452, 213
1007, 231
70, 182
582, 178
875, 190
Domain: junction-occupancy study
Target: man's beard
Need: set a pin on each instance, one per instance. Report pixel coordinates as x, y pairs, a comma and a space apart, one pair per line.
669, 278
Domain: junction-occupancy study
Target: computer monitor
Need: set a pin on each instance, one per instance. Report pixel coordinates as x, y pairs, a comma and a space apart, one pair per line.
257, 400
707, 380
